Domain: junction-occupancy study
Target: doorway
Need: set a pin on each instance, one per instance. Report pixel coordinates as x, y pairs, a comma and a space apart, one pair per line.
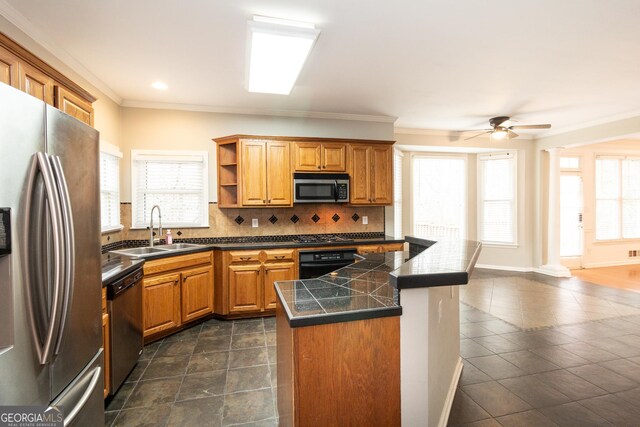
571, 228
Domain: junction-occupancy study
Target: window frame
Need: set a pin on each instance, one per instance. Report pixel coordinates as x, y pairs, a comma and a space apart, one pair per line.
481, 160
171, 155
620, 199
111, 150
464, 232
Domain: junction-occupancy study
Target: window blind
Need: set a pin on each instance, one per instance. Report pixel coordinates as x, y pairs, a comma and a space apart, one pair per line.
109, 191
497, 208
397, 194
177, 182
617, 198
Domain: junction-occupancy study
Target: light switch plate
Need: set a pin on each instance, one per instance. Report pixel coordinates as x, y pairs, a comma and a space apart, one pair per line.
254, 222
365, 220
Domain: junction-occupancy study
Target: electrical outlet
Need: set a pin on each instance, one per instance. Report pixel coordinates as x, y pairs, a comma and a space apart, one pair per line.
254, 222
365, 220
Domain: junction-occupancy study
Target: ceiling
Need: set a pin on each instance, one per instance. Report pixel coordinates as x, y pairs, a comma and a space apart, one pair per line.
432, 64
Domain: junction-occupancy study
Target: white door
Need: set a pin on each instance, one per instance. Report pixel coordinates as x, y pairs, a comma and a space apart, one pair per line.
571, 230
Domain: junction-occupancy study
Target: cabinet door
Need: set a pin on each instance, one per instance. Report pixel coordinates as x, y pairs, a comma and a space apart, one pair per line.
107, 352
360, 171
36, 83
369, 249
276, 272
334, 157
308, 156
392, 247
161, 303
197, 293
278, 174
254, 173
73, 105
244, 288
9, 69
381, 175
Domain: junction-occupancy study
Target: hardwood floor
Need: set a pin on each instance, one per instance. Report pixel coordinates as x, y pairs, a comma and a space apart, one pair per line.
622, 277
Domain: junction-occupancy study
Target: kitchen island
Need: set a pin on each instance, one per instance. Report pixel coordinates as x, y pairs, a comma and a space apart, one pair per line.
374, 343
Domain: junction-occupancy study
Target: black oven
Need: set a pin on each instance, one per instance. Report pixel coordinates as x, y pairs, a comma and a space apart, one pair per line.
315, 263
320, 187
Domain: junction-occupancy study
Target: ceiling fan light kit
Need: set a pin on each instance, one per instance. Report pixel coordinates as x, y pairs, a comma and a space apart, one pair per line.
500, 132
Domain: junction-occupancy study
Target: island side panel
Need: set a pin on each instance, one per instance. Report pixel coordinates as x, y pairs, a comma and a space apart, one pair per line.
284, 337
347, 373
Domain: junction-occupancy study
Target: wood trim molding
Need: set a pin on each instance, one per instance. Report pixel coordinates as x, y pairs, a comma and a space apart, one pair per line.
231, 138
28, 57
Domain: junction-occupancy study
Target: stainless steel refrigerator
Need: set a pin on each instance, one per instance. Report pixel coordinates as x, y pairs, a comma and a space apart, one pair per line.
50, 272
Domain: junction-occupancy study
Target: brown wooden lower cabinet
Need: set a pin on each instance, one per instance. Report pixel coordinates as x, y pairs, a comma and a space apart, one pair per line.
344, 373
161, 303
176, 290
275, 272
106, 337
387, 247
244, 288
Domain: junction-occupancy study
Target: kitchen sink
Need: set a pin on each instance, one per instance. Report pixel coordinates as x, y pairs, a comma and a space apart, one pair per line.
178, 246
149, 251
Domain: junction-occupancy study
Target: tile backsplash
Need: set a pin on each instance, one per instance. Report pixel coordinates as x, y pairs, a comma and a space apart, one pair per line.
321, 218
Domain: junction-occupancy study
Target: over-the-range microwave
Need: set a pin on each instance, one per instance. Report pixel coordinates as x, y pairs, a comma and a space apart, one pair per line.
320, 188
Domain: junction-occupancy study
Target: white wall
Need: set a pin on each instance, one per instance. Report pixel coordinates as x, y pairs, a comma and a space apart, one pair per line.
189, 130
520, 257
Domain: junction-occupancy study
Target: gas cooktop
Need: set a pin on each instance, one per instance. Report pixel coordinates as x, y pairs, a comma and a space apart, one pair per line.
324, 238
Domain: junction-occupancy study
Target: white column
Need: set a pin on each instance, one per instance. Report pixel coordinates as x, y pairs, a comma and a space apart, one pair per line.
553, 266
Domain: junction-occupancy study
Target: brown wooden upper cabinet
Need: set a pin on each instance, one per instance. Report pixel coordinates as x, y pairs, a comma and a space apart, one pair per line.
371, 173
320, 156
28, 73
265, 173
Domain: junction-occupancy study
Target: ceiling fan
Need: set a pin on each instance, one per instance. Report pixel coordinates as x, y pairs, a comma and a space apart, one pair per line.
498, 131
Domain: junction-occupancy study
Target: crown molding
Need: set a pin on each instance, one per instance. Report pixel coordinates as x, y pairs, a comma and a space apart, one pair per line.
63, 57
257, 111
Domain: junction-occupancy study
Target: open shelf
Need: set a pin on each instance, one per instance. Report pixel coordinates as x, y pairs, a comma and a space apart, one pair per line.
228, 174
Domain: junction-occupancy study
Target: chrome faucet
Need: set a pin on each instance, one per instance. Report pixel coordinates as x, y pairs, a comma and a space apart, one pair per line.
151, 239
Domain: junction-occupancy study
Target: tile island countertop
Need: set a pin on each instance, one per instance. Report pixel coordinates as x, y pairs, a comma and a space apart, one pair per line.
371, 287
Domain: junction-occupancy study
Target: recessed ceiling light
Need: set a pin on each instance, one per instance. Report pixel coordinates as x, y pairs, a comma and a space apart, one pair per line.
159, 85
278, 50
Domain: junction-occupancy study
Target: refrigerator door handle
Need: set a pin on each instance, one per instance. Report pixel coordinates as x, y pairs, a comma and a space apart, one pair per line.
85, 396
45, 346
69, 245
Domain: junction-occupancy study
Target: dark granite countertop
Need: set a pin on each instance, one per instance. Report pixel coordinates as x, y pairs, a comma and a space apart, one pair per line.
115, 266
372, 287
436, 263
297, 244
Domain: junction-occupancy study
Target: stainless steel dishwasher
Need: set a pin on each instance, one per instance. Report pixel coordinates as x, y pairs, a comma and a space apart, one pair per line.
124, 303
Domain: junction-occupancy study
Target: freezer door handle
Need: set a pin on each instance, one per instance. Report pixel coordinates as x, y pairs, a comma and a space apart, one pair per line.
85, 396
69, 245
38, 289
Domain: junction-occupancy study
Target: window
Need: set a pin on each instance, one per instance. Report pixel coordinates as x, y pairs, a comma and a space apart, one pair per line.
617, 198
397, 193
570, 163
174, 180
497, 198
109, 188
439, 194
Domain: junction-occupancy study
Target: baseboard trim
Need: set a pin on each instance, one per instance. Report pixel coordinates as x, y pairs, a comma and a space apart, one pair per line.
610, 264
505, 268
448, 403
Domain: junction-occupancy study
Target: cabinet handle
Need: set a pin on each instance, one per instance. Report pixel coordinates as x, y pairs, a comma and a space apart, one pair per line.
175, 282
257, 271
245, 258
279, 256
184, 279
324, 166
269, 201
264, 201
318, 166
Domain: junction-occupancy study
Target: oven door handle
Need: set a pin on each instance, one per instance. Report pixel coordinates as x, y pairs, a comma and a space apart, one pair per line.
335, 189
327, 264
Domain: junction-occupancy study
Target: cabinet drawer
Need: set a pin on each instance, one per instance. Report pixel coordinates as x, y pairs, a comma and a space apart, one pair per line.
244, 256
279, 254
177, 262
392, 247
368, 249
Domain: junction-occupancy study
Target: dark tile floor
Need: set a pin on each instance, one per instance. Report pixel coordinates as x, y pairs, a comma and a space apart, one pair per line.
214, 374
584, 374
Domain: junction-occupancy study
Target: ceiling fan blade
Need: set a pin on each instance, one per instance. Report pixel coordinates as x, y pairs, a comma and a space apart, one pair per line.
547, 126
511, 134
478, 134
